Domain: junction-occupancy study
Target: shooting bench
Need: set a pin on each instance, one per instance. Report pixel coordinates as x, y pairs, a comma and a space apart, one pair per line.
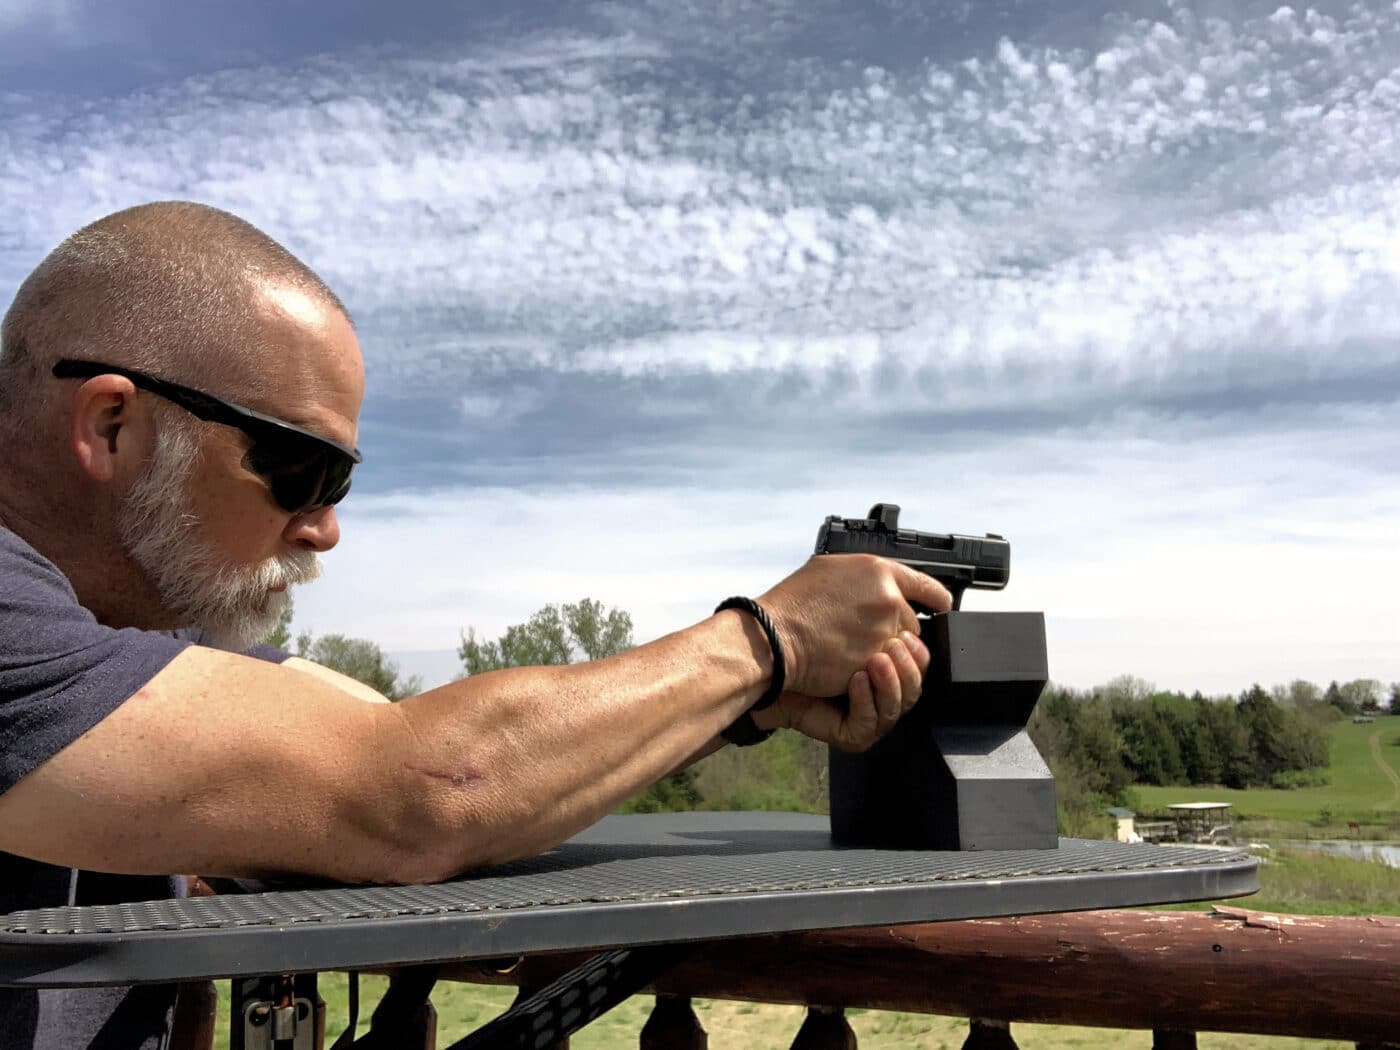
640, 891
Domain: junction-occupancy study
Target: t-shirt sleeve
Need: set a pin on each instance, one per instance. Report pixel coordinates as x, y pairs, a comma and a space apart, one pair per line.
270, 653
61, 672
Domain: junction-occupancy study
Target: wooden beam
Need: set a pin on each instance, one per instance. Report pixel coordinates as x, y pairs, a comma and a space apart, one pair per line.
825, 1028
673, 1025
1230, 970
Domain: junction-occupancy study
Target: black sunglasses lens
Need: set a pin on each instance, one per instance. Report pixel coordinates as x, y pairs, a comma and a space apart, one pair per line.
336, 484
302, 475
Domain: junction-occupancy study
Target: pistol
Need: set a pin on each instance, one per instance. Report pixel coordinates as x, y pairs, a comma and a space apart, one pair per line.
957, 562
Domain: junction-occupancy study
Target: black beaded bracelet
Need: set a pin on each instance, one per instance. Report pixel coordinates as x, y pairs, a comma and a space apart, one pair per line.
743, 731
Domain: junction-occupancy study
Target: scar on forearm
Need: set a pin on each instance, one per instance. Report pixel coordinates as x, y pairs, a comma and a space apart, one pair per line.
455, 777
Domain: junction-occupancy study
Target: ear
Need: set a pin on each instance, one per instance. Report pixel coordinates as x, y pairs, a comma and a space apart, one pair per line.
107, 435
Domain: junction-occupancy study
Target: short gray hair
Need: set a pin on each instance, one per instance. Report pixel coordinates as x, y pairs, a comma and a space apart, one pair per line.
165, 288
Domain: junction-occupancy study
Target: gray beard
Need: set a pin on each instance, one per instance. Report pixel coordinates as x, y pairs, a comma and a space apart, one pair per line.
236, 606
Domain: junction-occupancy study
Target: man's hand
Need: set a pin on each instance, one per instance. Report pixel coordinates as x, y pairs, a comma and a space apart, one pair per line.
847, 626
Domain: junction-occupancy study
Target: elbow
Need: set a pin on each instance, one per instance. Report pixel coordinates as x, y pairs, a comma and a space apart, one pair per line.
416, 867
444, 826
454, 803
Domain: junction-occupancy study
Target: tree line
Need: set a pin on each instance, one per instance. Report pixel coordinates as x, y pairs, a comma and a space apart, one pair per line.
1100, 741
1097, 741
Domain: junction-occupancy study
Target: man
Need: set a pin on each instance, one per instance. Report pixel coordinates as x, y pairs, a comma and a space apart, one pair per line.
178, 418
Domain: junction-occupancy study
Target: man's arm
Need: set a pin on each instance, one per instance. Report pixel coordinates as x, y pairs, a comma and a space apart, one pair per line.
232, 766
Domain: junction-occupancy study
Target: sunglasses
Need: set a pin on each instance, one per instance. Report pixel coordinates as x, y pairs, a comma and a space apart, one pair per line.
304, 471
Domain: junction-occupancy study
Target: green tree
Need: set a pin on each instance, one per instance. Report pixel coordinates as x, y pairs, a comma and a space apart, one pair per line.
1300, 693
1263, 717
540, 641
1097, 748
564, 634
1200, 749
1125, 687
552, 636
1364, 694
598, 632
281, 635
1150, 747
1338, 699
1230, 736
361, 660
1076, 734
1282, 740
356, 657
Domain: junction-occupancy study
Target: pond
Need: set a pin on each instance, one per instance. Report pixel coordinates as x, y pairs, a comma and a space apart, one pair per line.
1387, 853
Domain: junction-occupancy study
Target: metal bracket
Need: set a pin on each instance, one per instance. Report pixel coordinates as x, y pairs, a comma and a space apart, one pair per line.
274, 1013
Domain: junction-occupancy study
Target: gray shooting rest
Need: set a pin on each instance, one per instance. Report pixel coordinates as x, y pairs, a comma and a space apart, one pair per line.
959, 772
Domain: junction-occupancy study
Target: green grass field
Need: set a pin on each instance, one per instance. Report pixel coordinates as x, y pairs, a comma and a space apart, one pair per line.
1363, 786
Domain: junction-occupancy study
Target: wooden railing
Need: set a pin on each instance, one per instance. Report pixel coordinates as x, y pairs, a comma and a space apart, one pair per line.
1173, 973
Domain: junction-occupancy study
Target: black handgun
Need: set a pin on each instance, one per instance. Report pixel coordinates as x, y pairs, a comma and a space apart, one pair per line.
957, 562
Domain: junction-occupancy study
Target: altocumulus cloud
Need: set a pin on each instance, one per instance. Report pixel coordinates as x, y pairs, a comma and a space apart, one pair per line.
647, 289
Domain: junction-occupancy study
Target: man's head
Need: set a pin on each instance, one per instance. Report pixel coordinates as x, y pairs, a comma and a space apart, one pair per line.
159, 517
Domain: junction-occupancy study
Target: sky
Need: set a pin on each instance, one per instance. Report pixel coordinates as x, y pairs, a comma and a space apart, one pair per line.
648, 288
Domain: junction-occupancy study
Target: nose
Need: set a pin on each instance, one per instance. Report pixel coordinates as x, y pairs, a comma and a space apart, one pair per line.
316, 530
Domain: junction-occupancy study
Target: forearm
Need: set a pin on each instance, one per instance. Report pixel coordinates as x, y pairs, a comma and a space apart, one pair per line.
516, 761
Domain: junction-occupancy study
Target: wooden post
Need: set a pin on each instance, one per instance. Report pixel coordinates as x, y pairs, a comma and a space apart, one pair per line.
196, 1016
405, 1018
989, 1035
424, 1032
673, 1025
417, 1031
1171, 1039
825, 1028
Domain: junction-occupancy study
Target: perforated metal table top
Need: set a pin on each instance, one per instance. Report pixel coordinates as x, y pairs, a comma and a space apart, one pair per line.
626, 881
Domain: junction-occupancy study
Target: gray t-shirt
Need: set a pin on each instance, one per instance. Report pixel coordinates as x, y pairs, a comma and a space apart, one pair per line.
61, 672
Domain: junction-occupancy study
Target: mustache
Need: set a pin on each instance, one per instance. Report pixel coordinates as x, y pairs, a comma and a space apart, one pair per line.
288, 570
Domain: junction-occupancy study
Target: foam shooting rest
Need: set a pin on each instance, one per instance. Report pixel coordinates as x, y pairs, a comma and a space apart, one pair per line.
959, 771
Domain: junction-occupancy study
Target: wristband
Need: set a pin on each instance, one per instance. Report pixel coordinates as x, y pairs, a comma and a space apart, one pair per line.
743, 731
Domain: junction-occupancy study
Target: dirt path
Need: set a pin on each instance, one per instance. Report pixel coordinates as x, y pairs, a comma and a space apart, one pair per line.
1386, 768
